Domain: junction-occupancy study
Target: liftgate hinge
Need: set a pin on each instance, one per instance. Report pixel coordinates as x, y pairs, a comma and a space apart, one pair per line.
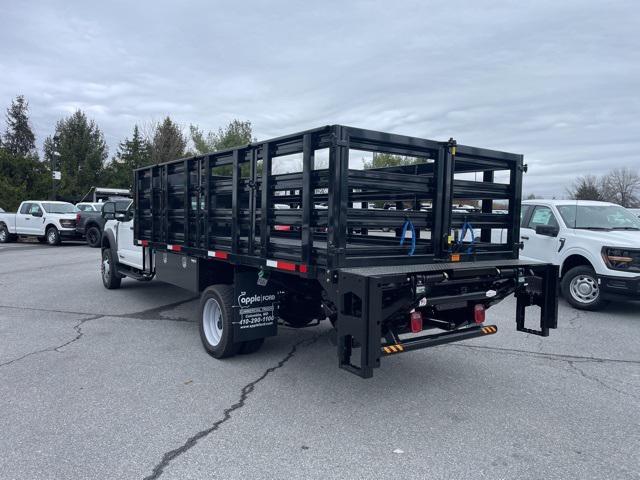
524, 167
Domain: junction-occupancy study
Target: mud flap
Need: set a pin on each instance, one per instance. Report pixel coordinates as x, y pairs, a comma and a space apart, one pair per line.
255, 307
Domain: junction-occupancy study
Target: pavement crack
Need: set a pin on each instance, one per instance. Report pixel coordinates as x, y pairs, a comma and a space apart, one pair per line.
142, 315
154, 313
171, 455
581, 372
79, 333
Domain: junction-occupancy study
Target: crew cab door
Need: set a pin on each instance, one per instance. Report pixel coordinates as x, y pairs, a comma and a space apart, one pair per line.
128, 253
29, 219
538, 246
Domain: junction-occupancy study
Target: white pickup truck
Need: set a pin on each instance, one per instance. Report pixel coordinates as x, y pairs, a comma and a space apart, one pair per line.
595, 244
48, 221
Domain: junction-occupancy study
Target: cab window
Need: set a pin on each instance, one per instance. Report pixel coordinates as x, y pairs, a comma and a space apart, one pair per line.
542, 216
34, 209
25, 208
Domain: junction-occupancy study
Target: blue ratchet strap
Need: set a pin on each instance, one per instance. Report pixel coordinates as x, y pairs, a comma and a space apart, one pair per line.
466, 226
407, 223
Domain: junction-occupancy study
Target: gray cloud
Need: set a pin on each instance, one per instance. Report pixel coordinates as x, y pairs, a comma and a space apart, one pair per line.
556, 81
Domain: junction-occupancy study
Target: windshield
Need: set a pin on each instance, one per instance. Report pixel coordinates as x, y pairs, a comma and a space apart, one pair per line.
122, 205
58, 207
599, 217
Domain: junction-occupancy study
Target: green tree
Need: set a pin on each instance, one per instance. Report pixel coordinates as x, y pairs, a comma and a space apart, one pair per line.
168, 142
132, 153
22, 174
381, 160
78, 151
235, 134
587, 187
18, 138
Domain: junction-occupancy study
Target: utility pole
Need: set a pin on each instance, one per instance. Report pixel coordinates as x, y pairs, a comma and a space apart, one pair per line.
55, 175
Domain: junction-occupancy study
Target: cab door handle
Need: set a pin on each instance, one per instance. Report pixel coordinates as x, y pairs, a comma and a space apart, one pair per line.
524, 237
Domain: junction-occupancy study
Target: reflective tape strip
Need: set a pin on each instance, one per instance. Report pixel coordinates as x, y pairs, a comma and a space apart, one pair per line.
220, 255
174, 248
393, 349
291, 267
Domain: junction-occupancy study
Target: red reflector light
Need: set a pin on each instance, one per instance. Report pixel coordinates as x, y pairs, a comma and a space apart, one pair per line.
77, 217
416, 322
282, 228
478, 313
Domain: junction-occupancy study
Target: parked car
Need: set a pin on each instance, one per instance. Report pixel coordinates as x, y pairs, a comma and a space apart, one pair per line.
635, 211
89, 220
1, 210
595, 244
48, 221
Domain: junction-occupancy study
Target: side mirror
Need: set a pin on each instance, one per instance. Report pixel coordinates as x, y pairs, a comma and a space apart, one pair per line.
37, 214
109, 211
547, 230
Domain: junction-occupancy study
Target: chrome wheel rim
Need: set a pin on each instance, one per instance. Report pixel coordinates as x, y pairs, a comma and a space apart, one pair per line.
106, 268
3, 234
212, 321
584, 289
51, 236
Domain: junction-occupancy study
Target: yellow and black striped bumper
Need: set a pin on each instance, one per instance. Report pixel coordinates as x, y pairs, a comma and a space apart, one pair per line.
426, 341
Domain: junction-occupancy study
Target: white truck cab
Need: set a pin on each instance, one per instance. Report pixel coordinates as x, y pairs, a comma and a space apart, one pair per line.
120, 255
48, 221
595, 244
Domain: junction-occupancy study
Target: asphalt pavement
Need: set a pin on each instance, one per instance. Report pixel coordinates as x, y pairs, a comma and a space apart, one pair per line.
98, 383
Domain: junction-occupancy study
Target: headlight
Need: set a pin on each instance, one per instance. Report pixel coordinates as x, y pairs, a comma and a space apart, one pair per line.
624, 259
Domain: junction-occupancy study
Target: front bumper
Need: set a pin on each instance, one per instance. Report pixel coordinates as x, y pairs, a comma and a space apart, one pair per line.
620, 288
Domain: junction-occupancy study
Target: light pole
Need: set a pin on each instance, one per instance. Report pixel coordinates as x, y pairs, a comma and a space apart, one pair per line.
55, 175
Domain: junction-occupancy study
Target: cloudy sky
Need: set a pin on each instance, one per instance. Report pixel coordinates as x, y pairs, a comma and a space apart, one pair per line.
558, 81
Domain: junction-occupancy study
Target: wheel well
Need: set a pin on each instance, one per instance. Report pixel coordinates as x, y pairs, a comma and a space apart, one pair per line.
574, 261
88, 225
49, 225
105, 242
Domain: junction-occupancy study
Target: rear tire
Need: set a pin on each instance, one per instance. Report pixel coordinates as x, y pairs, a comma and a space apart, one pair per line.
93, 237
215, 323
53, 236
110, 278
580, 288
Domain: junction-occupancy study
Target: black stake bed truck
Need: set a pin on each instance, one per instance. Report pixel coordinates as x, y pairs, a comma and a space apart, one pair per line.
398, 257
